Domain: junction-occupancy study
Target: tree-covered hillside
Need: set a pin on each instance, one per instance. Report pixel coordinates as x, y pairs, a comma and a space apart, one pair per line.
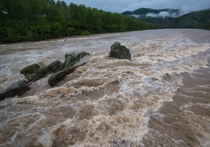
31, 20
198, 19
145, 11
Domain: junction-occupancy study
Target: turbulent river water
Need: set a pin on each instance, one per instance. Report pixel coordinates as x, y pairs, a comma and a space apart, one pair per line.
159, 98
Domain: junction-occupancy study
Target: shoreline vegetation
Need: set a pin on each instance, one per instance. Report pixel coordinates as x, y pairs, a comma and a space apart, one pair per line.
36, 20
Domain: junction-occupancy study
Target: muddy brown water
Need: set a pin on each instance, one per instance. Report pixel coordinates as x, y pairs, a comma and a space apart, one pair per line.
160, 98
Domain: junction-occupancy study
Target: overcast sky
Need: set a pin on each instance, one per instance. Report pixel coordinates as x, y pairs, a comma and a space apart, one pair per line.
120, 6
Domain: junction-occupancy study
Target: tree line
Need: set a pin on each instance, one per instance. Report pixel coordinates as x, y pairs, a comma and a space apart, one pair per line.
32, 20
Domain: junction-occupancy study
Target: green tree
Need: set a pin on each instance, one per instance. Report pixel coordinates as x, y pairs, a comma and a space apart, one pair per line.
42, 25
56, 29
99, 25
28, 20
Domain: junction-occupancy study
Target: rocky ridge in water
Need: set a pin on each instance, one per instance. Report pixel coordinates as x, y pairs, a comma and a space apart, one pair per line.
34, 72
58, 70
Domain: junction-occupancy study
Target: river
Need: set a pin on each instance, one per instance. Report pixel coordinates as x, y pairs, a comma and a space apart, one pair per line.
159, 98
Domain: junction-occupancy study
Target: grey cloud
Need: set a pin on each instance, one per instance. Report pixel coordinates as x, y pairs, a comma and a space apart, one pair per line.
152, 15
194, 6
136, 16
162, 14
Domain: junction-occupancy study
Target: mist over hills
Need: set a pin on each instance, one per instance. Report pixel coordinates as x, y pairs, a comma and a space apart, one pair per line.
147, 12
172, 18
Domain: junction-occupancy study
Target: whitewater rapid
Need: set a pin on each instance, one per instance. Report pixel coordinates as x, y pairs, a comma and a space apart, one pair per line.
111, 102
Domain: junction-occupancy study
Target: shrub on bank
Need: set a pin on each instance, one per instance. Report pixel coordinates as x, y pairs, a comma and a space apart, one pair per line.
85, 33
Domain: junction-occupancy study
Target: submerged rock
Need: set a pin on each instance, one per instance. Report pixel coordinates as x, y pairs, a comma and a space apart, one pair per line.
119, 51
55, 78
19, 88
67, 136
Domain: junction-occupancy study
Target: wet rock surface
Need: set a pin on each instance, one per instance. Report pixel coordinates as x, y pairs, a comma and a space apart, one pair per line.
119, 51
71, 59
30, 69
34, 72
19, 88
55, 78
55, 66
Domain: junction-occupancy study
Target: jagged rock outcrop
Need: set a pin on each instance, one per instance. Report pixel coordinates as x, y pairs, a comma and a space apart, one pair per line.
71, 59
34, 72
119, 51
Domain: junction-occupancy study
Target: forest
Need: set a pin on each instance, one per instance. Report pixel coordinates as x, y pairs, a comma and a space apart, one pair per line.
33, 20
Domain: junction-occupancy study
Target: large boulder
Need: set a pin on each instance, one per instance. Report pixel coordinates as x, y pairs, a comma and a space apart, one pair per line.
38, 75
119, 51
55, 78
19, 88
30, 70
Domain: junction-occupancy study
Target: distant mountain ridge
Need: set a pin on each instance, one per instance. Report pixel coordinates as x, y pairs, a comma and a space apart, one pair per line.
170, 18
145, 11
